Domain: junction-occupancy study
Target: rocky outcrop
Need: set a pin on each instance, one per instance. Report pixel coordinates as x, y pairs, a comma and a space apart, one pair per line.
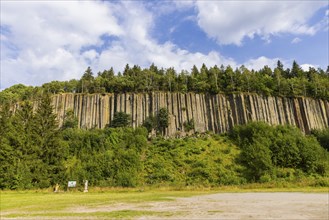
217, 113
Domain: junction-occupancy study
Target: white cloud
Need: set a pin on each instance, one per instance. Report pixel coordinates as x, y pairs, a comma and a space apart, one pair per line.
50, 40
229, 22
43, 40
137, 47
262, 61
55, 40
296, 40
306, 66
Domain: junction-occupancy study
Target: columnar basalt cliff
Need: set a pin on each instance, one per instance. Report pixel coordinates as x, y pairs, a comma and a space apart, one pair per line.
217, 113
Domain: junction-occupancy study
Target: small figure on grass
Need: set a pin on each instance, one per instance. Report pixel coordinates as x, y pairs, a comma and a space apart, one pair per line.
56, 189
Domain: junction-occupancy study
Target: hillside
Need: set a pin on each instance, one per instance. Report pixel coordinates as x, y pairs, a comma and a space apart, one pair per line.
34, 153
119, 130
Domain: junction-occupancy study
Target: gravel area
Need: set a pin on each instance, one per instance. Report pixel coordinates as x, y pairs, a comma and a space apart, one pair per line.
247, 206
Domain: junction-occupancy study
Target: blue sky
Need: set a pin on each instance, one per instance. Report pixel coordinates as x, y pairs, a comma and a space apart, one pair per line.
57, 40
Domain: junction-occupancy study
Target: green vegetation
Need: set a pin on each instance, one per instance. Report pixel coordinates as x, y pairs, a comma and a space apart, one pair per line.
33, 204
277, 82
157, 123
34, 153
322, 137
269, 152
120, 119
189, 125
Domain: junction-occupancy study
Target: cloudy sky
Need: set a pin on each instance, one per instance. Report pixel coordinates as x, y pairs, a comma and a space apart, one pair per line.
57, 40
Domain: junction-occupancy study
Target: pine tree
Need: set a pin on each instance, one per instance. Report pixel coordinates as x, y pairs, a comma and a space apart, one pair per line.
6, 151
46, 134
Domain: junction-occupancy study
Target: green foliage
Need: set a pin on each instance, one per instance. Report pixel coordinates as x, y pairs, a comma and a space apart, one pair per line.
277, 82
150, 123
158, 123
162, 119
257, 159
31, 148
70, 120
34, 153
120, 119
323, 137
266, 148
188, 125
191, 161
19, 92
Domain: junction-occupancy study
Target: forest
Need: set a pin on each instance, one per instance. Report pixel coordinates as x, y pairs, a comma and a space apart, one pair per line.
36, 153
287, 82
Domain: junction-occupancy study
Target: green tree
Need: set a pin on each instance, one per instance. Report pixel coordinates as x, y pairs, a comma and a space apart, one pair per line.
162, 120
323, 137
86, 81
254, 140
296, 70
46, 136
150, 123
257, 159
70, 121
120, 119
7, 154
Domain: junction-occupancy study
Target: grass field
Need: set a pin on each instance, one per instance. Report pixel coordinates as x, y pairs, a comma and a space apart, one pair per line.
106, 203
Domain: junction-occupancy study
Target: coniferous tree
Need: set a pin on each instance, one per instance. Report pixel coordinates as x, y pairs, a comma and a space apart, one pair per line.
46, 134
296, 70
87, 81
6, 150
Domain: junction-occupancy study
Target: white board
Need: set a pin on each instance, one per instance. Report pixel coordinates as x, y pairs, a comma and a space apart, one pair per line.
72, 184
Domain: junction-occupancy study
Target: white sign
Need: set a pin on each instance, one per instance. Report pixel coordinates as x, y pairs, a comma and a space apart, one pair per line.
72, 184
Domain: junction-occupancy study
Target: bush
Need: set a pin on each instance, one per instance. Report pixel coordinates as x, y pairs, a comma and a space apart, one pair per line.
323, 137
150, 123
162, 119
266, 148
120, 119
188, 125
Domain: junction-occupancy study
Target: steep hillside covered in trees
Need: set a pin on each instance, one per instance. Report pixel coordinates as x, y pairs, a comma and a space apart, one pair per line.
41, 143
34, 153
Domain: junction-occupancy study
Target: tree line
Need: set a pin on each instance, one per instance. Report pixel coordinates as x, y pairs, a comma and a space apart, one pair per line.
280, 81
35, 153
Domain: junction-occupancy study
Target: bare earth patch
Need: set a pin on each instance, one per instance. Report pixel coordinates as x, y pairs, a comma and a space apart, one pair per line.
233, 206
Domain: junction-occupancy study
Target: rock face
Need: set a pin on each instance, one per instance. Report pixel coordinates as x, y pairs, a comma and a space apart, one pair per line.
217, 113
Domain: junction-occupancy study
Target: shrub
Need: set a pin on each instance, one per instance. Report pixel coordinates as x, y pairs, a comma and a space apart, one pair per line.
267, 147
323, 137
162, 119
188, 125
120, 119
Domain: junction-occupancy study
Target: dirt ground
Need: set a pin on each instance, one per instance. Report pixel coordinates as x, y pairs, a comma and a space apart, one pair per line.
236, 206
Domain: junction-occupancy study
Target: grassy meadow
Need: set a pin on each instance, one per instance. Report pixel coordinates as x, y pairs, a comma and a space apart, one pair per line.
98, 203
